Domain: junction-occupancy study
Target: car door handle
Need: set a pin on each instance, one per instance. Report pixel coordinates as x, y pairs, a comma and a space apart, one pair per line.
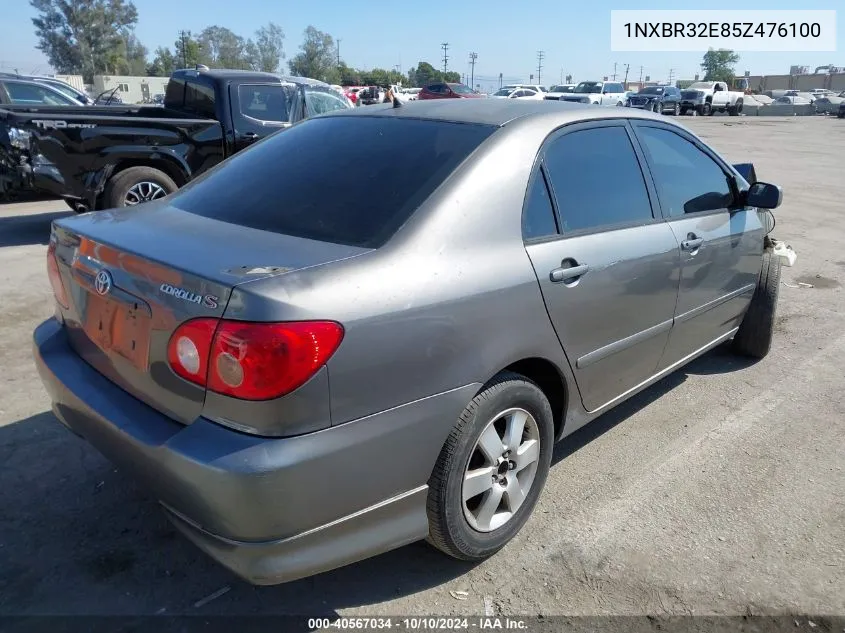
249, 136
567, 273
692, 243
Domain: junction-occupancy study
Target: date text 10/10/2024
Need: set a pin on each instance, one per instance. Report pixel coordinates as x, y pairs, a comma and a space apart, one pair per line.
418, 624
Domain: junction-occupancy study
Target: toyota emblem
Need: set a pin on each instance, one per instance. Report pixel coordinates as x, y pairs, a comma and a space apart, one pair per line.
102, 282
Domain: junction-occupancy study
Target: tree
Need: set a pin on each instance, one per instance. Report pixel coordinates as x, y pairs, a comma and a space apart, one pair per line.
223, 48
718, 65
424, 74
188, 51
133, 57
163, 63
82, 36
269, 47
452, 77
317, 58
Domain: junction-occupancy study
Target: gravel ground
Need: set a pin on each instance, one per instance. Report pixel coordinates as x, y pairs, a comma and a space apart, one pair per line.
717, 491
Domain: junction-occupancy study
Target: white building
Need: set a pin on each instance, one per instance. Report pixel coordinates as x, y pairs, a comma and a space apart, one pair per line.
130, 89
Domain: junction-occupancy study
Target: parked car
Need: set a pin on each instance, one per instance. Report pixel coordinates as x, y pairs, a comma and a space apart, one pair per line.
556, 91
660, 99
606, 93
828, 105
57, 84
250, 350
25, 92
410, 94
707, 97
793, 100
519, 93
534, 87
140, 153
447, 91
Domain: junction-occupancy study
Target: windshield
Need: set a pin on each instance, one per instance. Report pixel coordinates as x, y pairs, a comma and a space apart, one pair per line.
504, 92
279, 184
700, 85
561, 88
321, 100
64, 89
461, 89
588, 87
653, 90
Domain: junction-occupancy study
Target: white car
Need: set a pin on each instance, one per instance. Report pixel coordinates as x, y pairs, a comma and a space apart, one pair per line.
605, 93
534, 87
558, 90
518, 93
410, 94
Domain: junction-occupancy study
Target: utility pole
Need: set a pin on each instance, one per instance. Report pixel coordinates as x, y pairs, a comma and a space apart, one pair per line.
614, 71
671, 75
338, 53
445, 47
500, 81
561, 75
472, 58
184, 51
540, 55
625, 83
641, 76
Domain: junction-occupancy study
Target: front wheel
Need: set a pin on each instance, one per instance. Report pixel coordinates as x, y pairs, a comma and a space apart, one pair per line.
136, 185
683, 111
754, 337
491, 469
676, 111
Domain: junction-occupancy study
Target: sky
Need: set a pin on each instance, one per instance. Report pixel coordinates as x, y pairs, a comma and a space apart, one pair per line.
505, 34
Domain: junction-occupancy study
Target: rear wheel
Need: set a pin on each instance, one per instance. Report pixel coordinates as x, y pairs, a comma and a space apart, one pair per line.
676, 111
135, 185
491, 469
754, 337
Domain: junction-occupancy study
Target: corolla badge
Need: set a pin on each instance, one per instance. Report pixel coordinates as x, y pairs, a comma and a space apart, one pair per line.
208, 301
103, 282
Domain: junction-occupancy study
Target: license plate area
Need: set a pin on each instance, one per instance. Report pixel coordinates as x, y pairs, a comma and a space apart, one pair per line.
119, 324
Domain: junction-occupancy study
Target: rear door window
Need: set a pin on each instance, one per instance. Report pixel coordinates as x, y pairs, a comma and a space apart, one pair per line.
302, 181
21, 93
597, 179
199, 99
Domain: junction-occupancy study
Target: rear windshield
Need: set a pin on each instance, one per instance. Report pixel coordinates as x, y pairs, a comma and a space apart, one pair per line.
347, 180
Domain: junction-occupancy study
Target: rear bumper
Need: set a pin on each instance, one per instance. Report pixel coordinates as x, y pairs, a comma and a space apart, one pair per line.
271, 510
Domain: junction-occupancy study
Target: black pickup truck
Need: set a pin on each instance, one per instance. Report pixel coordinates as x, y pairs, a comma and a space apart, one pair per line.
106, 157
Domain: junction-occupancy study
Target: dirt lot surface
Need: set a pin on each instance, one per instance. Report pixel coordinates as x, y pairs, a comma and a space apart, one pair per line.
718, 490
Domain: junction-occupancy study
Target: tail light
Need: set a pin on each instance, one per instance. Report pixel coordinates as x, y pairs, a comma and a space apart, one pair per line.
55, 276
251, 361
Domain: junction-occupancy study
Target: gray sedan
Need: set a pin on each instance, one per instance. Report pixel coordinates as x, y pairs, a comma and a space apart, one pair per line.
310, 359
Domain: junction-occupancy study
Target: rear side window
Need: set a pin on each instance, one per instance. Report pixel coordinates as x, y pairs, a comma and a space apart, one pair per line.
199, 99
308, 181
538, 217
265, 102
174, 97
597, 179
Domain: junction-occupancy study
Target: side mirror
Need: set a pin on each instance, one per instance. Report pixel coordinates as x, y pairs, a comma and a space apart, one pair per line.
764, 196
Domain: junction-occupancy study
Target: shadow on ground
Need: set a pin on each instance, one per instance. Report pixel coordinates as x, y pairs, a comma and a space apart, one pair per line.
23, 230
77, 537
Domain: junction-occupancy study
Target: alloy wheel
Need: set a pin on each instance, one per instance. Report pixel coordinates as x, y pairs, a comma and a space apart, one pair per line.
501, 469
144, 192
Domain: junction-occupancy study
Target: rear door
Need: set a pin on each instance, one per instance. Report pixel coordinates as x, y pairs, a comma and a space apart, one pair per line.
608, 271
258, 110
720, 245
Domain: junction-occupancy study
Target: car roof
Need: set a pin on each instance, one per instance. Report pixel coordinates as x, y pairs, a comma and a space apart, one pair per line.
231, 73
495, 112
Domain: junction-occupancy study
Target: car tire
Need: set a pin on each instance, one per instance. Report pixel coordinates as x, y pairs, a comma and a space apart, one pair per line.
676, 111
131, 184
454, 528
755, 334
738, 106
684, 111
707, 109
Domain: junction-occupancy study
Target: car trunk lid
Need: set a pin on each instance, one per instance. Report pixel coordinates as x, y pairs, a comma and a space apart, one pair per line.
133, 276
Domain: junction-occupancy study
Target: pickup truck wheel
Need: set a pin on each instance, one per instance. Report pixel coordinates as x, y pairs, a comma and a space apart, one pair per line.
754, 337
491, 469
707, 110
136, 185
